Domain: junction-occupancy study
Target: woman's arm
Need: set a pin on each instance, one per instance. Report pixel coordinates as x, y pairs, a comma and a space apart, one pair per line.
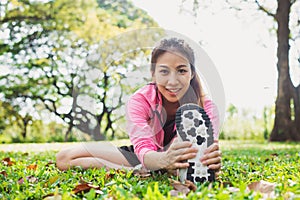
172, 158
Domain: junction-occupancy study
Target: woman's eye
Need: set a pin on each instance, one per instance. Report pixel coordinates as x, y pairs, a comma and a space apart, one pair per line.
182, 71
164, 71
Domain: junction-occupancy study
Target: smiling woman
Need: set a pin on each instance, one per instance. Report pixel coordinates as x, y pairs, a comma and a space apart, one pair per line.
172, 79
175, 90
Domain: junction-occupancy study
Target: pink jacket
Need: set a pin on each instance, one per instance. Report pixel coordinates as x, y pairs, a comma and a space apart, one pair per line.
143, 125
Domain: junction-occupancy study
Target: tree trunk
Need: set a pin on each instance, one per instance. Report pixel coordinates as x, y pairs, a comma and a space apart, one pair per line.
97, 134
25, 121
284, 125
24, 131
68, 132
297, 111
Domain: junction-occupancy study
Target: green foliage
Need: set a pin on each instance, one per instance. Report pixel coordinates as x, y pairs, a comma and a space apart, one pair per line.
34, 176
46, 47
246, 125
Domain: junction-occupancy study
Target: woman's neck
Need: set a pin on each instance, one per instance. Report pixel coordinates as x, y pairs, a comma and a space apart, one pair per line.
170, 107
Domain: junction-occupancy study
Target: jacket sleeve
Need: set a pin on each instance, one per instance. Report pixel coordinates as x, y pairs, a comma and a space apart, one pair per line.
139, 129
213, 113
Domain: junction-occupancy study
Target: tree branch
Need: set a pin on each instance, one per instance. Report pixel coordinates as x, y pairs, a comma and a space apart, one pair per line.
260, 7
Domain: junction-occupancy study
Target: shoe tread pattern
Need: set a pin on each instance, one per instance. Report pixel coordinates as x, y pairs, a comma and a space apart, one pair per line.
194, 125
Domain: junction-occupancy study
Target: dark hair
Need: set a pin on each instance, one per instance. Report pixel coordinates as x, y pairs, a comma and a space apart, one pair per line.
175, 45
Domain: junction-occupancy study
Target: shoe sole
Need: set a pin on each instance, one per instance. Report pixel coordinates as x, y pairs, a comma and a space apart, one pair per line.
194, 125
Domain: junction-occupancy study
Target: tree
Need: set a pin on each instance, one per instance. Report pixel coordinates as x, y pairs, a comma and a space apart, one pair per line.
10, 116
287, 106
46, 49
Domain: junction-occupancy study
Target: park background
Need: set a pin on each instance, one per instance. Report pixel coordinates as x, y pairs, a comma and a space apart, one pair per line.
68, 66
49, 50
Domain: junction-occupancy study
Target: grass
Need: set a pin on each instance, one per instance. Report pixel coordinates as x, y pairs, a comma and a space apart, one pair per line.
33, 175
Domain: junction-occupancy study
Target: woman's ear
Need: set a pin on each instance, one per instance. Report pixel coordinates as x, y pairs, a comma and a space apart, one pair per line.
192, 76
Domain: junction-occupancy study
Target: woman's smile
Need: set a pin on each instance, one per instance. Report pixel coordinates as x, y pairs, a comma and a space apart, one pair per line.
172, 75
173, 91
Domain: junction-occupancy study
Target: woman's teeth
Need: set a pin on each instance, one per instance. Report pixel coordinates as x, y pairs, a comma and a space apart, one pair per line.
173, 90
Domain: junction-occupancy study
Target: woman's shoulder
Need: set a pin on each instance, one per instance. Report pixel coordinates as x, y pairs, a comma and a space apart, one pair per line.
209, 106
208, 102
146, 95
148, 91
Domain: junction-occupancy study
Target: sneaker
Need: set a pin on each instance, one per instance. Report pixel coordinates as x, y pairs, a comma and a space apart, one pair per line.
194, 125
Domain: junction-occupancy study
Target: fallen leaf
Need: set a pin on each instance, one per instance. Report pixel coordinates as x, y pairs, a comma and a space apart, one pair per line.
21, 181
174, 193
109, 175
142, 172
191, 185
84, 187
30, 179
52, 197
267, 189
183, 188
3, 173
53, 179
7, 161
32, 167
262, 186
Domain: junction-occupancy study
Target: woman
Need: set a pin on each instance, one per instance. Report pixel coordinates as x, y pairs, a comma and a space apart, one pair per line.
151, 119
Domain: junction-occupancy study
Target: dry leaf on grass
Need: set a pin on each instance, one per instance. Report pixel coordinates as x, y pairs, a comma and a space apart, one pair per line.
30, 179
53, 197
183, 188
7, 161
53, 179
3, 173
85, 187
267, 189
141, 172
32, 167
262, 186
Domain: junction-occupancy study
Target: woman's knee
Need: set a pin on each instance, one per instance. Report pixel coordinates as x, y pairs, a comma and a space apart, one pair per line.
63, 159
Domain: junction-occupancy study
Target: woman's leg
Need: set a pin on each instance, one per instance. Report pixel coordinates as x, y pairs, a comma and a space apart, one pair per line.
92, 155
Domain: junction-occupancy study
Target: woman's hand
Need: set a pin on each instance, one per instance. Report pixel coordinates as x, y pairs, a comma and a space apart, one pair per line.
177, 153
212, 157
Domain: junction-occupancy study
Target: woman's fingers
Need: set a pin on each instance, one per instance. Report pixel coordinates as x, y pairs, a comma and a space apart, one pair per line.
180, 145
181, 165
215, 166
212, 157
211, 148
214, 154
180, 151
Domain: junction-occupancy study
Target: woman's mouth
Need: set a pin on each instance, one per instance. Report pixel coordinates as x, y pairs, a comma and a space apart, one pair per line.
173, 91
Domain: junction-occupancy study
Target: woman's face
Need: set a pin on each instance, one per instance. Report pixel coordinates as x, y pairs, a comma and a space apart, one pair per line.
172, 76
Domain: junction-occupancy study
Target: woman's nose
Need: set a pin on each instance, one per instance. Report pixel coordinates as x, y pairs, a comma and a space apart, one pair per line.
173, 79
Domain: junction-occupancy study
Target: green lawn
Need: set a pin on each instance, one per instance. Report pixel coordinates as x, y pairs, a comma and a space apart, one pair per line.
246, 164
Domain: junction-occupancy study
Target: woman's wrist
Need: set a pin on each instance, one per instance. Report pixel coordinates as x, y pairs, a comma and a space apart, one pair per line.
154, 160
163, 160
